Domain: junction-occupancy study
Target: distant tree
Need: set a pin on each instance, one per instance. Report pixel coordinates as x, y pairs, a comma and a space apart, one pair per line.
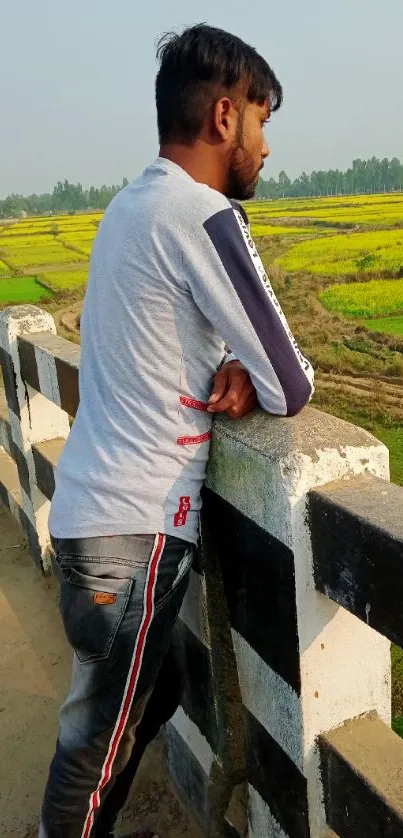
363, 176
284, 184
9, 208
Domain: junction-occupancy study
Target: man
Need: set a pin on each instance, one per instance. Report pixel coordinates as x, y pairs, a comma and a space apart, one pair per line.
174, 277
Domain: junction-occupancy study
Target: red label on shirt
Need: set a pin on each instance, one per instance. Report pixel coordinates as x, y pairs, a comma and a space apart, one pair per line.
194, 440
184, 508
187, 401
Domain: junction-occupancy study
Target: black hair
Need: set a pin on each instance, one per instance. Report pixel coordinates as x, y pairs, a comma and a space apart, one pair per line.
196, 68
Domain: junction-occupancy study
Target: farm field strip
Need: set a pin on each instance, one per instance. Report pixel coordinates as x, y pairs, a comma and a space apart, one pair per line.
85, 229
387, 325
51, 229
26, 289
347, 254
374, 210
286, 205
64, 280
4, 269
24, 257
365, 299
380, 218
82, 218
260, 230
307, 241
40, 249
76, 237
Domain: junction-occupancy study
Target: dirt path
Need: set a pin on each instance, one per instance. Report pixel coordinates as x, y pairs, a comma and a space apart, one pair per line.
35, 666
64, 267
70, 317
381, 391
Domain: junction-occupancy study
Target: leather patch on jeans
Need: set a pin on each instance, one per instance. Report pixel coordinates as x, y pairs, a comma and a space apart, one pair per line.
105, 599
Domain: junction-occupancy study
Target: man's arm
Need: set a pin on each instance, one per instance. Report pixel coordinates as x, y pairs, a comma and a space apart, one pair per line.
224, 273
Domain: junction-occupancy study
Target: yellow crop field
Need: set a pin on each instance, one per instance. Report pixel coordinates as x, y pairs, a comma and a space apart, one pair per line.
65, 280
4, 269
259, 230
368, 210
77, 220
35, 250
308, 232
37, 242
41, 245
365, 299
78, 235
79, 230
16, 233
380, 251
83, 243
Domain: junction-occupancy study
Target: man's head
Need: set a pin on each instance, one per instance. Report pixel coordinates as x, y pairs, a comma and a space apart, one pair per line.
214, 94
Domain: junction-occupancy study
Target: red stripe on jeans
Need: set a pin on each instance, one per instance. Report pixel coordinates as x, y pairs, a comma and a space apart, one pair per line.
131, 682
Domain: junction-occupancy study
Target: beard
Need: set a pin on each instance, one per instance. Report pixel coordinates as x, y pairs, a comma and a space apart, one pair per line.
243, 176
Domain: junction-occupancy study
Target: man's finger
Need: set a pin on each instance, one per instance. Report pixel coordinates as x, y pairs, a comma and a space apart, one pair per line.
239, 392
230, 399
244, 407
220, 387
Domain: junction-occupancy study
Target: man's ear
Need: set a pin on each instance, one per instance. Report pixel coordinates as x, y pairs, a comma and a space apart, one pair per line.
224, 118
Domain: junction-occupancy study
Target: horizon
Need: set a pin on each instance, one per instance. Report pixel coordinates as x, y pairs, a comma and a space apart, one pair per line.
87, 186
73, 90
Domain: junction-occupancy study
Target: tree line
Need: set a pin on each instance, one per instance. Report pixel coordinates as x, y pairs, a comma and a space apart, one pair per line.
364, 176
65, 198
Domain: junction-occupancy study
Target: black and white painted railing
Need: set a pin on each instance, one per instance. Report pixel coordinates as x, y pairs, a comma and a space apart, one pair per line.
284, 728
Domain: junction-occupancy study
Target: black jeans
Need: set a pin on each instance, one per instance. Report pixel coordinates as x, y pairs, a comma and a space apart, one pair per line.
164, 702
120, 598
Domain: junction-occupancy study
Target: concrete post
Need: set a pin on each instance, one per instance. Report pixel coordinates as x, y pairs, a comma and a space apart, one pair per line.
304, 664
32, 418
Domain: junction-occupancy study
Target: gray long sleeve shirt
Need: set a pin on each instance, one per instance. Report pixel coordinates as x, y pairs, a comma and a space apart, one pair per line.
174, 276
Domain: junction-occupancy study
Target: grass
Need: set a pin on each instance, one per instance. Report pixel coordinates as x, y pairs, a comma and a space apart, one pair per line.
365, 299
388, 325
397, 680
18, 290
351, 254
392, 437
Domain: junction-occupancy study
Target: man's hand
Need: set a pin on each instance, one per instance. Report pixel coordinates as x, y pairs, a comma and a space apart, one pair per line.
233, 392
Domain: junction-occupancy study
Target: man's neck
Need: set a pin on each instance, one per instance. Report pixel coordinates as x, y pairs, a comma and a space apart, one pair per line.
198, 160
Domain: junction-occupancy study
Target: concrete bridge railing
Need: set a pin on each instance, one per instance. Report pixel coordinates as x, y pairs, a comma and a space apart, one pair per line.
284, 729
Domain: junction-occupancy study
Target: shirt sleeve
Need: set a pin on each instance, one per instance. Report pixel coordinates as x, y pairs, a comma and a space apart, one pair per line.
225, 275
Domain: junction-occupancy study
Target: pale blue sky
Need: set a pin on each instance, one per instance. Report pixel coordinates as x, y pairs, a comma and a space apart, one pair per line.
77, 77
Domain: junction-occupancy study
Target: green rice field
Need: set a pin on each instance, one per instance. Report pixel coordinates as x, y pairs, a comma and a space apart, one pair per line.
17, 290
388, 325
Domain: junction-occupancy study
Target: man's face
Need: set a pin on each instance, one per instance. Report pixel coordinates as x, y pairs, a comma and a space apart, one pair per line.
248, 152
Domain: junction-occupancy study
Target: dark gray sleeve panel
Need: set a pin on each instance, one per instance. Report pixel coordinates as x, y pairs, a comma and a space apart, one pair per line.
257, 331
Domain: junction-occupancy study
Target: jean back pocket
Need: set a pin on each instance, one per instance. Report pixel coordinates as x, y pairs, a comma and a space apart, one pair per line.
92, 608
